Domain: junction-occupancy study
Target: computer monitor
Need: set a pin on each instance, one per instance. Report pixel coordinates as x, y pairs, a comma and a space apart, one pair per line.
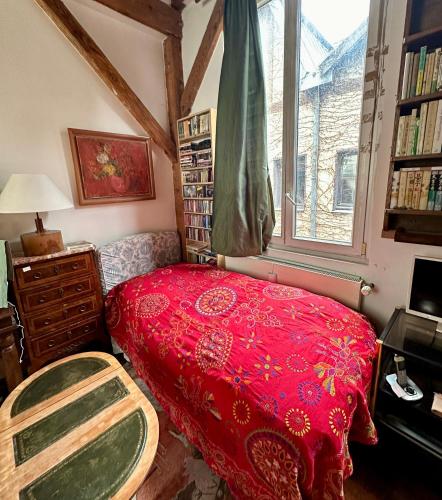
425, 291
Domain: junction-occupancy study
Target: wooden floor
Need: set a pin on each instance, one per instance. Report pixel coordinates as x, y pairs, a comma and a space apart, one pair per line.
393, 470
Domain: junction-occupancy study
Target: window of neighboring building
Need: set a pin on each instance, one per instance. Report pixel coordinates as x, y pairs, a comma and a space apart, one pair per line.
345, 180
300, 183
314, 54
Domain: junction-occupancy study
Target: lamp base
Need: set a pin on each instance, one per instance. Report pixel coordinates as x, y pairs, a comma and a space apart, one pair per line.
42, 243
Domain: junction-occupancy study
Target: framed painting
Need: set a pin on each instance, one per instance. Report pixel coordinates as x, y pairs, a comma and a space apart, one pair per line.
111, 168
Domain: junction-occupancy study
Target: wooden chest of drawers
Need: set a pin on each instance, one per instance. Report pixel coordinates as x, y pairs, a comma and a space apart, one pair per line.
60, 303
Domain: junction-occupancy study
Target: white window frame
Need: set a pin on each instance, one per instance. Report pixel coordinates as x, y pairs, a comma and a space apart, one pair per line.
286, 241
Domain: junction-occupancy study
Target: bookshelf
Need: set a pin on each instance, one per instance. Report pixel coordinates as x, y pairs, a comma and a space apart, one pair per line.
408, 221
196, 150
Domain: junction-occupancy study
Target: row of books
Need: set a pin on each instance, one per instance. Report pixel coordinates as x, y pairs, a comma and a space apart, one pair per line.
422, 73
201, 206
198, 220
198, 191
192, 233
198, 124
417, 188
421, 131
202, 160
205, 175
190, 147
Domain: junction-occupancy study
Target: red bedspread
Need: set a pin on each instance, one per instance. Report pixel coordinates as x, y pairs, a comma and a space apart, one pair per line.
268, 381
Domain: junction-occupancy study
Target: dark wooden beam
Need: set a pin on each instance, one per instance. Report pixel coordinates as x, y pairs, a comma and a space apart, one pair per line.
152, 13
177, 5
173, 67
93, 55
202, 60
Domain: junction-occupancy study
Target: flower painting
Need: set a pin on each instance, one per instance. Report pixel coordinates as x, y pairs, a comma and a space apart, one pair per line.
111, 168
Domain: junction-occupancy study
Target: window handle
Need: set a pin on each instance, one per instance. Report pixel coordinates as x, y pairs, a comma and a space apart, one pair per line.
290, 198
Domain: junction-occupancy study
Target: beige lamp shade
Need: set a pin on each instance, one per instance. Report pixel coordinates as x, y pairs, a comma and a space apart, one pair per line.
26, 193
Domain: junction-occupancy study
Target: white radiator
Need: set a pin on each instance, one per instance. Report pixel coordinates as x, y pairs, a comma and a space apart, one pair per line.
343, 287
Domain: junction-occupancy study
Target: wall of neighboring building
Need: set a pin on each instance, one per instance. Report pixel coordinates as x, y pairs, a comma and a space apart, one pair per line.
388, 263
47, 87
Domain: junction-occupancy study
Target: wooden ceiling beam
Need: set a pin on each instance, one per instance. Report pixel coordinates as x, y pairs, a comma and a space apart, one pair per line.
152, 13
202, 60
93, 55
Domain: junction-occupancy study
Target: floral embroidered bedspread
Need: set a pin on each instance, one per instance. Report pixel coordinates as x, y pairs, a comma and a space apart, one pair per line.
268, 381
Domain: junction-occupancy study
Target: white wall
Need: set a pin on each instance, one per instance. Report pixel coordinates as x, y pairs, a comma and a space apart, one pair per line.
46, 87
388, 262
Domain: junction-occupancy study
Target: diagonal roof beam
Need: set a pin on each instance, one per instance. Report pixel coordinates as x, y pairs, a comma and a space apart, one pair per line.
93, 55
152, 13
202, 60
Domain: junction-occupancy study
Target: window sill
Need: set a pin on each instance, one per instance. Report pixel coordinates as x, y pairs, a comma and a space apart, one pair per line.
289, 254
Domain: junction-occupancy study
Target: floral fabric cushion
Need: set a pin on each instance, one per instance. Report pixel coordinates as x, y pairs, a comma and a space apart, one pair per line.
135, 255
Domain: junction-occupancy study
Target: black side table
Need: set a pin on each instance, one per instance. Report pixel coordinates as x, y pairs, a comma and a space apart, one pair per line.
416, 339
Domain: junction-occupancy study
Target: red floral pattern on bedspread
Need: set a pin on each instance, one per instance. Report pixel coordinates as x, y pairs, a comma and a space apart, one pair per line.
268, 381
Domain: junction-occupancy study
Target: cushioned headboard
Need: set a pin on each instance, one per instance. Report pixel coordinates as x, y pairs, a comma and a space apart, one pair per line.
134, 255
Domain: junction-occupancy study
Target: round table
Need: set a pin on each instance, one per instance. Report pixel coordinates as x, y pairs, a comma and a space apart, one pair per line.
79, 428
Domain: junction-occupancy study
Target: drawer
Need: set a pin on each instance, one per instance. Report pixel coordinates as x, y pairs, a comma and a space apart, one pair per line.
49, 343
44, 296
44, 272
45, 322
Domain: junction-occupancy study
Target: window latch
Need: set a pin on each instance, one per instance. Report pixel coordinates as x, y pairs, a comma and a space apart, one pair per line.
290, 198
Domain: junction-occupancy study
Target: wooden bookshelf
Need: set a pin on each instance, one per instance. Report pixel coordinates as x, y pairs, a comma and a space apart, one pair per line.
423, 27
196, 141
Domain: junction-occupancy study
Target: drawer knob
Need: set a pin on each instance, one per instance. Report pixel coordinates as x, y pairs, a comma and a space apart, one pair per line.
86, 329
61, 292
74, 267
42, 299
47, 322
36, 276
83, 308
79, 288
51, 343
56, 269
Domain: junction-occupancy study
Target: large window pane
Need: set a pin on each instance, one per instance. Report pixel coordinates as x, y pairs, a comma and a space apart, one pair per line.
271, 19
333, 39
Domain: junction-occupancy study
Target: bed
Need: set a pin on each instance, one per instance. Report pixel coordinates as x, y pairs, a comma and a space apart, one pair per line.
269, 382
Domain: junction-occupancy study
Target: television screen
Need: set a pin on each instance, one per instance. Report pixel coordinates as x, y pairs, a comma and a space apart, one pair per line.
426, 287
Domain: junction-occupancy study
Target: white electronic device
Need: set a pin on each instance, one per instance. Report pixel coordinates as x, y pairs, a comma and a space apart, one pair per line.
410, 392
425, 291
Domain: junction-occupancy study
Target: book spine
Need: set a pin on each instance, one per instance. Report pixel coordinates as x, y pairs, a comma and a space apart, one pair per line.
435, 70
409, 190
416, 190
420, 75
425, 187
439, 75
437, 139
400, 135
427, 66
414, 74
422, 125
406, 75
429, 129
411, 132
394, 189
402, 188
405, 135
432, 190
430, 73
438, 194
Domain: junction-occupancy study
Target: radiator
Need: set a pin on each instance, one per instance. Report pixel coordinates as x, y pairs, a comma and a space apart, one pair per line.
343, 287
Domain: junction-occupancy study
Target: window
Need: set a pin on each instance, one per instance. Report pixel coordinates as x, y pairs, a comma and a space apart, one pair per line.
345, 180
314, 54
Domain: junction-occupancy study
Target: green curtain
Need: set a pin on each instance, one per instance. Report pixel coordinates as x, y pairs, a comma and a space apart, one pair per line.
243, 204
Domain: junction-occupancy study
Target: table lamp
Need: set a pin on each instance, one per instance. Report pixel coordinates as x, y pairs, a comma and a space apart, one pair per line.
27, 193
